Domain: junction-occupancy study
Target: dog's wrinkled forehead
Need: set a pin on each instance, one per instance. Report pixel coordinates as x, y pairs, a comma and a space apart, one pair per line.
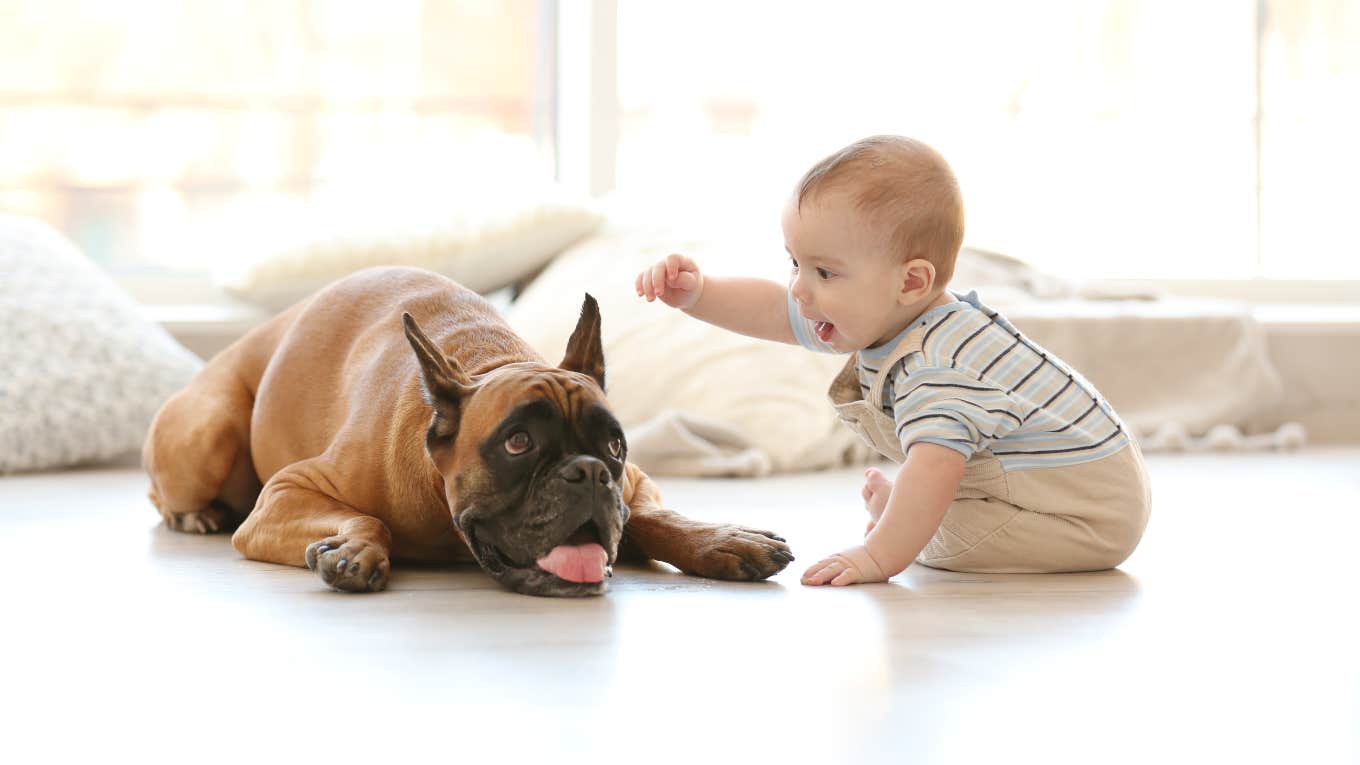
508, 388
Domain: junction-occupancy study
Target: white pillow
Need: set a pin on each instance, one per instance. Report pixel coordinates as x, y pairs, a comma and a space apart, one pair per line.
484, 240
81, 372
694, 399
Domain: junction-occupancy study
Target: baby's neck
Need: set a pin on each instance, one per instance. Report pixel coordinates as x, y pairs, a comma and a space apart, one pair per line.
914, 312
944, 297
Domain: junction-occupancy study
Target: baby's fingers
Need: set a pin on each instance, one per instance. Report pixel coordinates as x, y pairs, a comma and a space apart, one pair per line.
848, 576
659, 279
822, 571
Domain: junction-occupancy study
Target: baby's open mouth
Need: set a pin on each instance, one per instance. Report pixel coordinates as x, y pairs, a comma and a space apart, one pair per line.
824, 330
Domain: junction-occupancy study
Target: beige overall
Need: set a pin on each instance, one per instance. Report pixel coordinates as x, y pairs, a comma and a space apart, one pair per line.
1084, 517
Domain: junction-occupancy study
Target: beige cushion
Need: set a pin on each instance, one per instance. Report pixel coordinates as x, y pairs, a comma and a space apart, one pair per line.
694, 399
483, 240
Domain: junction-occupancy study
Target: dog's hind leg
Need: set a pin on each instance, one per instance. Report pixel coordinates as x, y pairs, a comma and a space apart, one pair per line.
297, 523
198, 449
198, 454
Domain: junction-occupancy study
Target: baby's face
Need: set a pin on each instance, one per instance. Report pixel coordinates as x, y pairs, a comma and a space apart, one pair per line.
844, 278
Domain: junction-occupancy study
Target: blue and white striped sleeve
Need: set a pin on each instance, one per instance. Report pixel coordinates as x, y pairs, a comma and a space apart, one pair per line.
949, 408
802, 329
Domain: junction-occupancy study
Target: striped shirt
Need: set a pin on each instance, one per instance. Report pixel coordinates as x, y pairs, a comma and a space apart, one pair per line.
978, 383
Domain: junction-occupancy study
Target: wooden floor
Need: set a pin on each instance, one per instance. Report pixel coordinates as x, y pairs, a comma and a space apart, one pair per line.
1230, 636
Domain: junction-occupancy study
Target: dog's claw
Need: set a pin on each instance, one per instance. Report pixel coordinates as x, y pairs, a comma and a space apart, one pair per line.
354, 569
608, 571
341, 565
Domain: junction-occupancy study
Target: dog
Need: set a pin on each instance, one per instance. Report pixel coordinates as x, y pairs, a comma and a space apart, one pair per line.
395, 415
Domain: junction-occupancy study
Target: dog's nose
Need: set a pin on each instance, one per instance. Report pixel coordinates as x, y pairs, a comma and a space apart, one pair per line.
580, 469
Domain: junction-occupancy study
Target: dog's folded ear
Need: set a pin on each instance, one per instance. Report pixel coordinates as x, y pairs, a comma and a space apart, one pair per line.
585, 352
442, 381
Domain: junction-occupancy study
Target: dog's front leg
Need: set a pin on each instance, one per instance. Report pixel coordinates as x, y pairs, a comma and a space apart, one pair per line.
295, 522
714, 550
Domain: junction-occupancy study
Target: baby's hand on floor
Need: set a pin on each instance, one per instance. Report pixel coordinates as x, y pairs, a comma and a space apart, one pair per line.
850, 566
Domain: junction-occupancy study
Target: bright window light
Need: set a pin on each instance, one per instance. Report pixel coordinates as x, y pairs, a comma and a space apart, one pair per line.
1096, 138
139, 127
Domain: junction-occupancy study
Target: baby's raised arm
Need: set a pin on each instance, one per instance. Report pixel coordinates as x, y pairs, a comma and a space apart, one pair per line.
754, 307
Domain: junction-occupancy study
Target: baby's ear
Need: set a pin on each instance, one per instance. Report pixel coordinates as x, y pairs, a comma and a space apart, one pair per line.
917, 280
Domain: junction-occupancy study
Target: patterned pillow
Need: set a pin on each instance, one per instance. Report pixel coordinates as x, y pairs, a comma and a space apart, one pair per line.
81, 372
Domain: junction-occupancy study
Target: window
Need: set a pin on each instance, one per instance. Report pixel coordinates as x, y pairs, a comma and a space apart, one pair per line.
1131, 138
1310, 157
1105, 138
152, 130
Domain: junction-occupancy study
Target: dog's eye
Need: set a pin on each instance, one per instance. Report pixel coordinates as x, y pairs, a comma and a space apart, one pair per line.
519, 442
616, 447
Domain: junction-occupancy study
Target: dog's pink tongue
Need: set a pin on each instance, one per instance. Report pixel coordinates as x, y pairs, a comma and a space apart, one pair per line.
576, 563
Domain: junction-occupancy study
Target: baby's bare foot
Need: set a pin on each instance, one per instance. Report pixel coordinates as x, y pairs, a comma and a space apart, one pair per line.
876, 490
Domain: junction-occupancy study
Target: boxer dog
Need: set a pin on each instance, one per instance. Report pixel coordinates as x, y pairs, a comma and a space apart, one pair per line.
395, 415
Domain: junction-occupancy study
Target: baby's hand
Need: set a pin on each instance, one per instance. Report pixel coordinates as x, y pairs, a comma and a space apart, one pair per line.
676, 280
850, 566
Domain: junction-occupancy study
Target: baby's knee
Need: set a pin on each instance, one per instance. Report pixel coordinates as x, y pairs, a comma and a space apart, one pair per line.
1118, 540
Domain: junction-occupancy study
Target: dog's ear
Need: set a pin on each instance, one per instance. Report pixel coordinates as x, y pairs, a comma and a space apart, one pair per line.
442, 382
585, 352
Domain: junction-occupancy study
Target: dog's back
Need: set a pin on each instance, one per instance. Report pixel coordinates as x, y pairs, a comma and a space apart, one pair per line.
332, 373
344, 363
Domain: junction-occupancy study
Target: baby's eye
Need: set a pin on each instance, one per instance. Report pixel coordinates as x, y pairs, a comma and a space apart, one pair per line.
824, 274
794, 262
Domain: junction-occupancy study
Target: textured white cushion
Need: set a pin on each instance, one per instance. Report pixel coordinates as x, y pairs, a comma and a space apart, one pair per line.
81, 372
484, 240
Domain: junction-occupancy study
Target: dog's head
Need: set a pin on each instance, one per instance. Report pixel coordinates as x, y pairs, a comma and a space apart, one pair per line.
533, 462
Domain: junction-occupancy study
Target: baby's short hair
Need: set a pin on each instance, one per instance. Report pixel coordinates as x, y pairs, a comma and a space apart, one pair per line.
905, 184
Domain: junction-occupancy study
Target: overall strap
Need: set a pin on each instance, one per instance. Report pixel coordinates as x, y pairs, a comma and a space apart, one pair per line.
909, 345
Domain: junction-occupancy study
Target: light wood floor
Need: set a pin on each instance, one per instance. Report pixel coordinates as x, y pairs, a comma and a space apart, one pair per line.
1230, 636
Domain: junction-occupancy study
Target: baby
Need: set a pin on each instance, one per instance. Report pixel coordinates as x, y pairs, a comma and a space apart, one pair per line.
1011, 461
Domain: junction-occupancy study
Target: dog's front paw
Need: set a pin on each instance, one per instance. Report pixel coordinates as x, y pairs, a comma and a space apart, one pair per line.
725, 551
349, 565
